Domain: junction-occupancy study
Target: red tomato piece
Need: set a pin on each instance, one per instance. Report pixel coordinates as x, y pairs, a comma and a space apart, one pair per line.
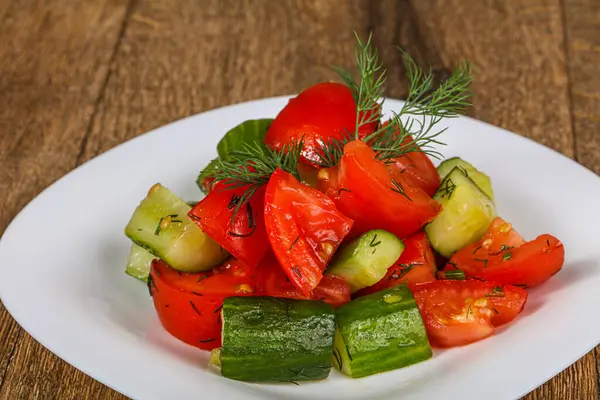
272, 281
415, 265
320, 113
188, 305
363, 188
304, 228
416, 169
461, 312
246, 239
503, 256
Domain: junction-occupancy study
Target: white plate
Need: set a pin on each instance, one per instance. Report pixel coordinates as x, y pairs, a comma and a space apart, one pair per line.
63, 259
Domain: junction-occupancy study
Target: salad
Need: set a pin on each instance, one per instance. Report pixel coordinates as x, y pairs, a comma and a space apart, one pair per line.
328, 238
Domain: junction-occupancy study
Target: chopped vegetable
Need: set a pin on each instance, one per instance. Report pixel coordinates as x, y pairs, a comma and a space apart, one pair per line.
466, 214
304, 228
161, 225
238, 229
318, 114
364, 189
503, 256
380, 332
275, 340
458, 312
366, 259
482, 180
188, 305
273, 281
416, 169
415, 265
139, 262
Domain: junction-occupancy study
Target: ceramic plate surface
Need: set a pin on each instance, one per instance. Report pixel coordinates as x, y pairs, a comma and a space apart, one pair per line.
62, 272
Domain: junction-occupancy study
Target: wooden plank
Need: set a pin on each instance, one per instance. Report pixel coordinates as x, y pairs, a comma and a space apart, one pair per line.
582, 34
575, 383
516, 50
54, 60
178, 61
582, 19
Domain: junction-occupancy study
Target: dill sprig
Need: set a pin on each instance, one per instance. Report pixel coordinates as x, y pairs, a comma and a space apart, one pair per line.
251, 166
422, 111
368, 92
419, 117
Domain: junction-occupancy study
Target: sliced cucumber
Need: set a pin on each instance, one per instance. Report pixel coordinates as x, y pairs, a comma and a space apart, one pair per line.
266, 339
365, 260
466, 214
482, 180
139, 262
380, 332
161, 225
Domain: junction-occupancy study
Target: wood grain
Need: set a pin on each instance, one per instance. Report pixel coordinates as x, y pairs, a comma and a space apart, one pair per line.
178, 59
582, 20
517, 53
78, 78
54, 59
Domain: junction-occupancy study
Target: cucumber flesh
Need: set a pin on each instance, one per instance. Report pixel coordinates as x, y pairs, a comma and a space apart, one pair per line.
466, 214
161, 225
266, 339
365, 260
380, 332
482, 180
139, 262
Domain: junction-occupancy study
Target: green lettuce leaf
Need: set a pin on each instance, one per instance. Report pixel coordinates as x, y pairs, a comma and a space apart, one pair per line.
253, 130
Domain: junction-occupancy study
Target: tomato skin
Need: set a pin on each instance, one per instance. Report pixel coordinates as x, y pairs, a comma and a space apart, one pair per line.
416, 169
362, 188
272, 281
213, 214
188, 305
417, 258
320, 113
304, 228
503, 256
457, 312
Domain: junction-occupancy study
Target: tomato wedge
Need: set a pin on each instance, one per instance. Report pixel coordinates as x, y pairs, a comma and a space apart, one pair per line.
364, 189
416, 169
318, 114
304, 228
272, 281
188, 305
415, 265
461, 312
246, 239
503, 256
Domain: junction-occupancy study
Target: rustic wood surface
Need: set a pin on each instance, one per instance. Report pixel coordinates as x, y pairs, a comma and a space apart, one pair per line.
79, 77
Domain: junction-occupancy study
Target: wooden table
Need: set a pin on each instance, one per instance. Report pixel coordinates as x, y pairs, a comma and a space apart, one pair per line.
80, 77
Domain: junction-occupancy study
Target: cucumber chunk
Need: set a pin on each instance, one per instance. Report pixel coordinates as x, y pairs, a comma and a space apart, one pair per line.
160, 224
267, 339
380, 332
482, 180
365, 260
466, 215
139, 263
